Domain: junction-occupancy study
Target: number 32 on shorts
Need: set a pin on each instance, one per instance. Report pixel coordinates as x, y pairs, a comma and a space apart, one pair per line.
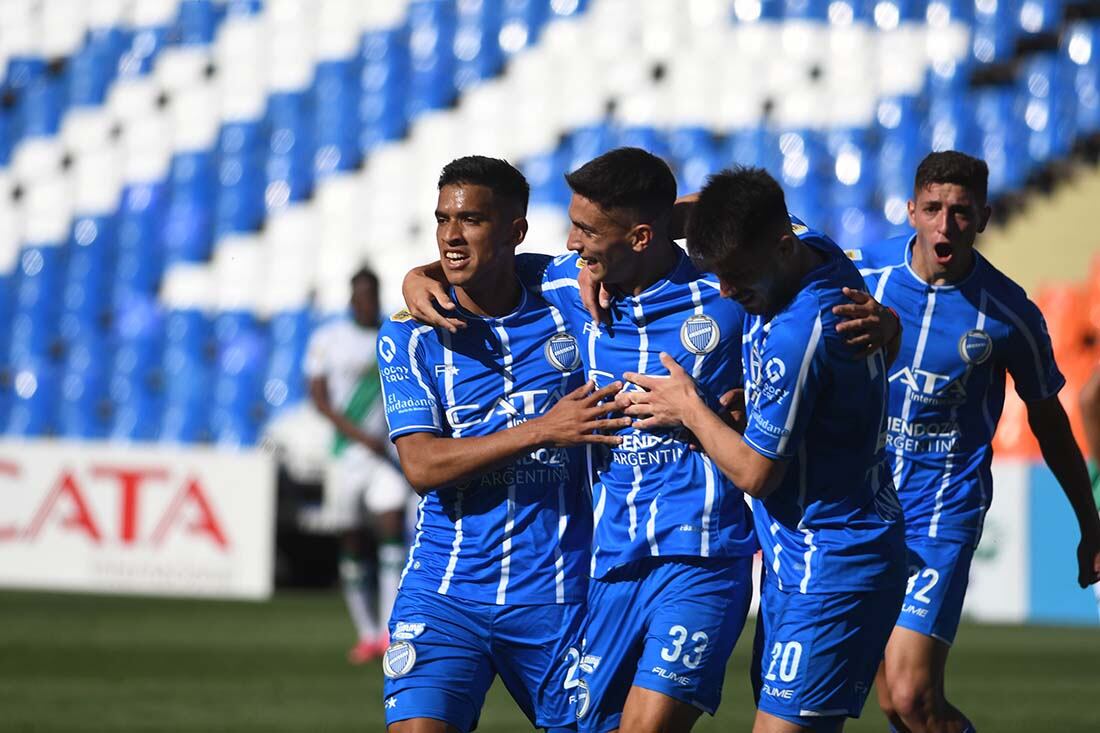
696, 646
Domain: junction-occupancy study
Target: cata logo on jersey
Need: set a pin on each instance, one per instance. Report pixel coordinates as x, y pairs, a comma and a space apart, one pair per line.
700, 334
975, 346
562, 352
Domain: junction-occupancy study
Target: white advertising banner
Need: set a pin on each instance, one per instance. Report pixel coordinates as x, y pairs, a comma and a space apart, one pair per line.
162, 520
999, 580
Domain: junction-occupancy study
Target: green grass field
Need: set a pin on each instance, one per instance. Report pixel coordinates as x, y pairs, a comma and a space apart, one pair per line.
71, 663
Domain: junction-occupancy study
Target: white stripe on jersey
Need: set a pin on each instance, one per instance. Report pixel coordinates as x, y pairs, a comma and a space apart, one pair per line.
708, 507
632, 510
651, 528
416, 539
697, 299
563, 517
506, 546
918, 357
456, 546
643, 338
807, 558
948, 466
597, 515
803, 371
414, 338
1040, 373
778, 548
506, 349
562, 282
448, 376
559, 559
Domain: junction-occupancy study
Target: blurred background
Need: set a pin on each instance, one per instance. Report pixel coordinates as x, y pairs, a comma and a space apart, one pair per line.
186, 187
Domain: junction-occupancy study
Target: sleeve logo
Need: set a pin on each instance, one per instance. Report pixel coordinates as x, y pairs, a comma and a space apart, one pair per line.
700, 334
562, 352
975, 346
387, 349
775, 369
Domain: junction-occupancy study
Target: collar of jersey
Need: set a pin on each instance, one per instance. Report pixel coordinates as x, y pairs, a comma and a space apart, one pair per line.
660, 284
495, 319
979, 262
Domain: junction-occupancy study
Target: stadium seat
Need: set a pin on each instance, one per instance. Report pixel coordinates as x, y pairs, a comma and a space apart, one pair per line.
35, 399
477, 43
1080, 53
384, 56
431, 56
85, 406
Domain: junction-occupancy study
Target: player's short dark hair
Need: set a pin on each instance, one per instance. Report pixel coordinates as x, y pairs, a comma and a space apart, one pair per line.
499, 176
365, 274
951, 166
736, 209
627, 178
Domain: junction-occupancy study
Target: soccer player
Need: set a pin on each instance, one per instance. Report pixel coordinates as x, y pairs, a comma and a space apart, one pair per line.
496, 578
673, 539
362, 486
811, 455
965, 325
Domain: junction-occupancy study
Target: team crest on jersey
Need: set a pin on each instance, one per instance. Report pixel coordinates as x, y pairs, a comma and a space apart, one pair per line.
399, 659
562, 352
401, 316
583, 699
404, 630
700, 334
975, 346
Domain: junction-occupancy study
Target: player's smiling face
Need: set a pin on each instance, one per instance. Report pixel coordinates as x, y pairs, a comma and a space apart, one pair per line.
947, 218
605, 241
476, 236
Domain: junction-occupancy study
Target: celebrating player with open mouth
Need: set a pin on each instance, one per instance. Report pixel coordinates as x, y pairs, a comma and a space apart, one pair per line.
966, 324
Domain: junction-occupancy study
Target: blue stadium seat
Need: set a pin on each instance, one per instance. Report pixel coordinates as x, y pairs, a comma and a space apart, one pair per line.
477, 42
694, 156
141, 52
1080, 54
238, 412
1048, 101
188, 228
1004, 144
585, 143
43, 101
646, 137
431, 53
750, 146
187, 401
85, 410
806, 9
521, 24
1039, 16
35, 399
994, 32
804, 171
853, 178
140, 256
544, 175
37, 307
136, 379
335, 96
384, 56
289, 166
188, 336
240, 197
284, 385
196, 22
950, 125
901, 148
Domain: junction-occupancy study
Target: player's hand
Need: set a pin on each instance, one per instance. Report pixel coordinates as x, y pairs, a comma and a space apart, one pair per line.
867, 325
1088, 561
733, 409
578, 417
596, 298
421, 292
666, 399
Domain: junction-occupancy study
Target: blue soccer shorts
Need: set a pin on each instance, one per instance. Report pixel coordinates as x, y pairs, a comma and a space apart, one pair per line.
939, 573
444, 653
815, 654
667, 625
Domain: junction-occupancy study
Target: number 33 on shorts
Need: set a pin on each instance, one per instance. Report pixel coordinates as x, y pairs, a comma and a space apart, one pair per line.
696, 645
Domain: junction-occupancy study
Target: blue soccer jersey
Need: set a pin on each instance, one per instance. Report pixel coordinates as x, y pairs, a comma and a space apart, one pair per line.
947, 385
654, 496
834, 523
520, 534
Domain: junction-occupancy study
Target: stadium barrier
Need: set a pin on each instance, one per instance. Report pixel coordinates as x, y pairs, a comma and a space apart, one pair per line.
1025, 568
148, 519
